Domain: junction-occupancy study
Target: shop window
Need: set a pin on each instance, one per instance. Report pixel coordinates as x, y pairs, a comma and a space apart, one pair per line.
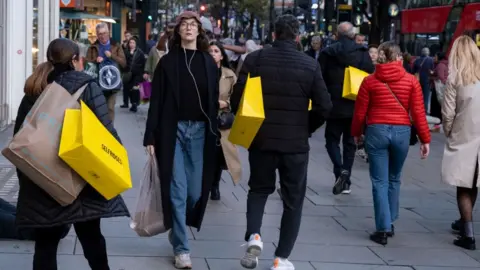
35, 35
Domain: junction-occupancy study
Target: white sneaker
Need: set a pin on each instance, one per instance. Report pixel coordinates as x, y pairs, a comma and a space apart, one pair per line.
282, 264
254, 249
183, 261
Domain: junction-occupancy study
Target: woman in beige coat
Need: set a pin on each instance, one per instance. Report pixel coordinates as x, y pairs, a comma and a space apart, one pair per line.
228, 158
461, 124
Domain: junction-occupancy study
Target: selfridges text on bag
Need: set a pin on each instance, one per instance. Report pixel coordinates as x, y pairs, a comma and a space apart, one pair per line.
34, 149
148, 217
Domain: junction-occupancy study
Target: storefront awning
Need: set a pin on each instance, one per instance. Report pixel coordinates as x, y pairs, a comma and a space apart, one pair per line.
85, 16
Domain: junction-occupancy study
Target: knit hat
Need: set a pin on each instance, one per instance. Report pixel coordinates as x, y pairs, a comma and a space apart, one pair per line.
188, 15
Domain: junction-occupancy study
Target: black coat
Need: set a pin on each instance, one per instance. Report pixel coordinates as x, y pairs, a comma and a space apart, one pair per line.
37, 209
333, 61
290, 78
135, 64
161, 130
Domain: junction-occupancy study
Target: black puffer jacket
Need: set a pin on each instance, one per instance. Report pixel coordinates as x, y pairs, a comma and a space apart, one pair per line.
290, 78
35, 208
333, 61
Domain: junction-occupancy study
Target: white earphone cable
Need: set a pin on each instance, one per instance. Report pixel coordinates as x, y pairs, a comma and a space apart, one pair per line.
188, 64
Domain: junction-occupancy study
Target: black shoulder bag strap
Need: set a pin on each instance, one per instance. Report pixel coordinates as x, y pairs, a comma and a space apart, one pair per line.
398, 101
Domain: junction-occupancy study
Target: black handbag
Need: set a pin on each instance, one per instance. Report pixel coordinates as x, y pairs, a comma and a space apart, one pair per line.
225, 120
413, 130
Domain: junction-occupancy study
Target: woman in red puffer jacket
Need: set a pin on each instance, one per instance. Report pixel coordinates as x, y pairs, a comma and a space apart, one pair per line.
385, 102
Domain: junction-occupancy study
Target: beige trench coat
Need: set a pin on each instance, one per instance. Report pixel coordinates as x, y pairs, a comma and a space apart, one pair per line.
461, 124
230, 151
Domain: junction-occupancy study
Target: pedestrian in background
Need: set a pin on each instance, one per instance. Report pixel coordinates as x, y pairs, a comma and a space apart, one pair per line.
461, 125
135, 66
315, 47
181, 130
333, 60
282, 141
106, 50
385, 102
227, 153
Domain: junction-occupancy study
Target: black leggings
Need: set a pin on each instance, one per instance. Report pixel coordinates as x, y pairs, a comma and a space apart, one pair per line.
89, 235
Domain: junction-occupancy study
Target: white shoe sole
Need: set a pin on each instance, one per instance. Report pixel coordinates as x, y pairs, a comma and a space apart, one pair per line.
346, 191
250, 260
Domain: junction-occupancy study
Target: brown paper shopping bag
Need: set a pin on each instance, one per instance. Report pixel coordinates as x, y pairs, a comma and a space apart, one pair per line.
34, 149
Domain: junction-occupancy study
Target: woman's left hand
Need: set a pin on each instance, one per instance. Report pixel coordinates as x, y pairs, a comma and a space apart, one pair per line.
223, 104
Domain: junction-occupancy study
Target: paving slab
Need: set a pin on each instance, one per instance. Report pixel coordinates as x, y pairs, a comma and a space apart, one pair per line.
66, 246
78, 262
220, 264
368, 224
345, 254
425, 257
344, 266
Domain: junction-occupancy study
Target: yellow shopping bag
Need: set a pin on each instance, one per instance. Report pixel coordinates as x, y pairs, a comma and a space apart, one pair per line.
250, 115
351, 84
90, 150
310, 105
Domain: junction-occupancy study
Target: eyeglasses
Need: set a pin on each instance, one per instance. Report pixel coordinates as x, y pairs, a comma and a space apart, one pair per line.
191, 25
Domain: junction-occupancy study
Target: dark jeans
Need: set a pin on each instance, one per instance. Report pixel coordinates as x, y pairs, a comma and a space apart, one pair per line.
335, 130
132, 95
293, 181
387, 147
89, 235
426, 95
7, 221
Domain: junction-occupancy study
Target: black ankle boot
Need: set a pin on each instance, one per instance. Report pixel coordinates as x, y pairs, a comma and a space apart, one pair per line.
392, 232
465, 242
379, 238
215, 194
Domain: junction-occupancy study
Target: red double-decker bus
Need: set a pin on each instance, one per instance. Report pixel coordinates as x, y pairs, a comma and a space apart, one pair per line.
436, 23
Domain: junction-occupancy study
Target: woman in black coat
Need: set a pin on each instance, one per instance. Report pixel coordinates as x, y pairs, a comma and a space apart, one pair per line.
35, 208
182, 130
135, 66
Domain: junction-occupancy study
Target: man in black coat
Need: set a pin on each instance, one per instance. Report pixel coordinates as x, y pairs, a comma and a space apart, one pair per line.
333, 61
290, 79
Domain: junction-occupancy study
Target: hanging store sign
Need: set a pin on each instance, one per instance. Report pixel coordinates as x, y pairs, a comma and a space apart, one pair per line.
75, 4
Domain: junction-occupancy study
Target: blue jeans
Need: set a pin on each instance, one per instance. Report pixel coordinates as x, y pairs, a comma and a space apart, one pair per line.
187, 178
387, 148
7, 220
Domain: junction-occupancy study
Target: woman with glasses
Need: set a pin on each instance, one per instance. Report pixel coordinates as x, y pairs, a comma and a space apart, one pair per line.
182, 131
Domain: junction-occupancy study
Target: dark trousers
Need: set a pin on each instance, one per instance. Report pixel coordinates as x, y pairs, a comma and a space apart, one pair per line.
335, 130
221, 166
131, 94
293, 181
435, 106
89, 235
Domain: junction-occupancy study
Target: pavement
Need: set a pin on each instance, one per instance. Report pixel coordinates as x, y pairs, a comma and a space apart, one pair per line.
334, 232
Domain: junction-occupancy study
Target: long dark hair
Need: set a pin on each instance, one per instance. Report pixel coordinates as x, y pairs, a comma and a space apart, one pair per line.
60, 54
176, 41
225, 62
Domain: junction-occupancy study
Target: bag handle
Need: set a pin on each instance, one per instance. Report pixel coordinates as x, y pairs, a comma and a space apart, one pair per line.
398, 101
80, 91
257, 60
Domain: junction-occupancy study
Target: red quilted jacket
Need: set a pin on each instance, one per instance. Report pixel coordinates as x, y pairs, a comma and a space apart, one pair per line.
375, 104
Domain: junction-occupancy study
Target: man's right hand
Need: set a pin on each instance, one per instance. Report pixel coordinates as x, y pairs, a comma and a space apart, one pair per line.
150, 150
99, 59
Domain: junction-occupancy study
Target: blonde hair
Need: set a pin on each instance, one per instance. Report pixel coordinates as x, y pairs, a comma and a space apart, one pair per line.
464, 62
388, 52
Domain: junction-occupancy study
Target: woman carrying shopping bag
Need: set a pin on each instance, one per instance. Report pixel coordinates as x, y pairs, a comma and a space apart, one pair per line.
387, 102
227, 153
132, 79
35, 208
182, 130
